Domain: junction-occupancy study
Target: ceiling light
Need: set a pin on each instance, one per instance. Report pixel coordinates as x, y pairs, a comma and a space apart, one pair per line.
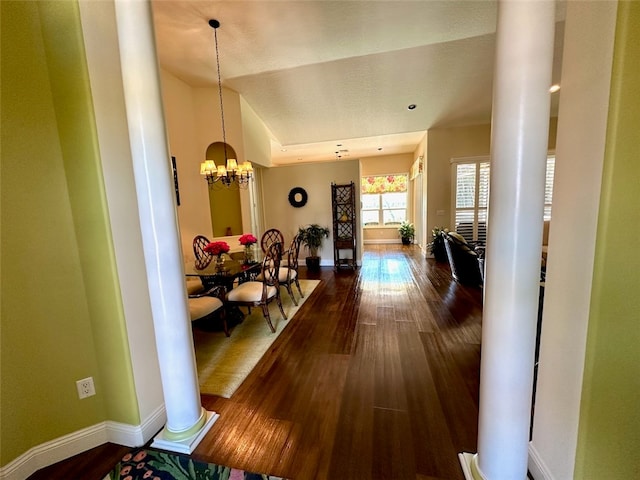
554, 88
412, 106
231, 173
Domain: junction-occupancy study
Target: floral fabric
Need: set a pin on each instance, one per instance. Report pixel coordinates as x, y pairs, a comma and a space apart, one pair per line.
384, 184
145, 464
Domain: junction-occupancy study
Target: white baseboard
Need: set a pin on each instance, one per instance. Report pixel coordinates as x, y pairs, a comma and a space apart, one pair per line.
136, 435
54, 451
537, 467
380, 241
329, 263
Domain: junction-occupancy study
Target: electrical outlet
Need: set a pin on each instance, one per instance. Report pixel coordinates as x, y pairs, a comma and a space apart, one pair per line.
85, 387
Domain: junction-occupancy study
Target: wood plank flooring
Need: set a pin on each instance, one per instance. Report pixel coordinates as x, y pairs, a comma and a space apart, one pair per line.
377, 377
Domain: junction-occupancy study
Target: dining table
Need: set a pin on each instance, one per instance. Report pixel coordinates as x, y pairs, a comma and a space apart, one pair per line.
225, 273
228, 274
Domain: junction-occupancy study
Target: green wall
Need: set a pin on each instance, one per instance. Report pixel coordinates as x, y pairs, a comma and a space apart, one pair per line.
609, 433
61, 309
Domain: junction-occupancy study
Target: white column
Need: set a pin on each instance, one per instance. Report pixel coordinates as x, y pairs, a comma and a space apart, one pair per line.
520, 127
187, 421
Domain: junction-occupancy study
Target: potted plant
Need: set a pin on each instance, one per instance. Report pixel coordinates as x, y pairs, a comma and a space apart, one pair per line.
436, 247
407, 232
311, 237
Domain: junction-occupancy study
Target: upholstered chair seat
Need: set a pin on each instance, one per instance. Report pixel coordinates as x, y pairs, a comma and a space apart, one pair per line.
194, 285
250, 292
200, 307
206, 303
259, 293
283, 275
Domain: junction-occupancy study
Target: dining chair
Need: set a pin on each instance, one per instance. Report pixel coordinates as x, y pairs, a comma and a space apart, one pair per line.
205, 304
288, 273
260, 293
202, 258
269, 237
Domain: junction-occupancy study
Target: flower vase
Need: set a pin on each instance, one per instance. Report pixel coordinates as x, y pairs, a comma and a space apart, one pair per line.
219, 263
248, 254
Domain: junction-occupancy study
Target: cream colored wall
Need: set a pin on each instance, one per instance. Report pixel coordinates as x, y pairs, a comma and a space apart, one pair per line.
193, 123
445, 144
316, 180
386, 164
208, 122
180, 114
257, 144
586, 71
424, 233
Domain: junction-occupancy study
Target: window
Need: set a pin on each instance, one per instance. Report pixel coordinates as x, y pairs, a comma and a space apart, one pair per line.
384, 200
472, 199
471, 190
548, 186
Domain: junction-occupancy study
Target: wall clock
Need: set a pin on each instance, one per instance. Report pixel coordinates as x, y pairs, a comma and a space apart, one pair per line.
298, 197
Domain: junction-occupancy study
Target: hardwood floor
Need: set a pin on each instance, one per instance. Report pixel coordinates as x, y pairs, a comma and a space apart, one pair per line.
377, 377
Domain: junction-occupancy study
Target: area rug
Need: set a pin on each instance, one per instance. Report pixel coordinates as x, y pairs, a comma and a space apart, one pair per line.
224, 362
153, 465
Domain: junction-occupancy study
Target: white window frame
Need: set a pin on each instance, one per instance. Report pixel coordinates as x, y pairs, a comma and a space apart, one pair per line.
476, 209
381, 209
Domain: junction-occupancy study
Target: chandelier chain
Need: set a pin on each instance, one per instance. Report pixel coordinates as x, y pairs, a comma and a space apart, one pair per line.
224, 133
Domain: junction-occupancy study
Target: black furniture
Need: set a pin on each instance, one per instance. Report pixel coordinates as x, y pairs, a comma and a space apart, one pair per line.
463, 259
343, 202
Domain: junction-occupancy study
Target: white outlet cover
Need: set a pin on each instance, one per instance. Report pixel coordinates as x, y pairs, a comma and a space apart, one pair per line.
85, 387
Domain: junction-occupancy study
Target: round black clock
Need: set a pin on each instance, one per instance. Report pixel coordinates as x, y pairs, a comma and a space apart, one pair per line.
298, 197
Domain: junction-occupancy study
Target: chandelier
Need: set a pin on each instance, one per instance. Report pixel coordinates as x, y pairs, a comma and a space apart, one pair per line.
231, 173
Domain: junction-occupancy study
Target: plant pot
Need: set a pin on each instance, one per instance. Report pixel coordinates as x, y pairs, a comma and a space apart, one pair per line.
313, 263
406, 241
440, 256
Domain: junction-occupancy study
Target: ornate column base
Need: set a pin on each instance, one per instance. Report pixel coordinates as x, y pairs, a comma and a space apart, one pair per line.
469, 463
166, 440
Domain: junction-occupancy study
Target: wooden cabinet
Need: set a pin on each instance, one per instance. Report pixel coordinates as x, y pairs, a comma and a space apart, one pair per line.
343, 201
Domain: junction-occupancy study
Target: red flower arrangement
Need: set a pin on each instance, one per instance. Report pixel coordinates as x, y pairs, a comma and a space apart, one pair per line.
217, 248
247, 240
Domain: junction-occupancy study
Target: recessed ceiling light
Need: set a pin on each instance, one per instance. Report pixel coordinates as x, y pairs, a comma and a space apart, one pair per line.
412, 106
283, 149
554, 88
379, 148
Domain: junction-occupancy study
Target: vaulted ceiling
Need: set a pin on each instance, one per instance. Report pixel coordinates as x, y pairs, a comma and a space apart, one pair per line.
338, 76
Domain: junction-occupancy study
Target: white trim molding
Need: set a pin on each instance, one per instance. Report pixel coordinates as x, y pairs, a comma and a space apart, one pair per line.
381, 241
536, 465
61, 448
